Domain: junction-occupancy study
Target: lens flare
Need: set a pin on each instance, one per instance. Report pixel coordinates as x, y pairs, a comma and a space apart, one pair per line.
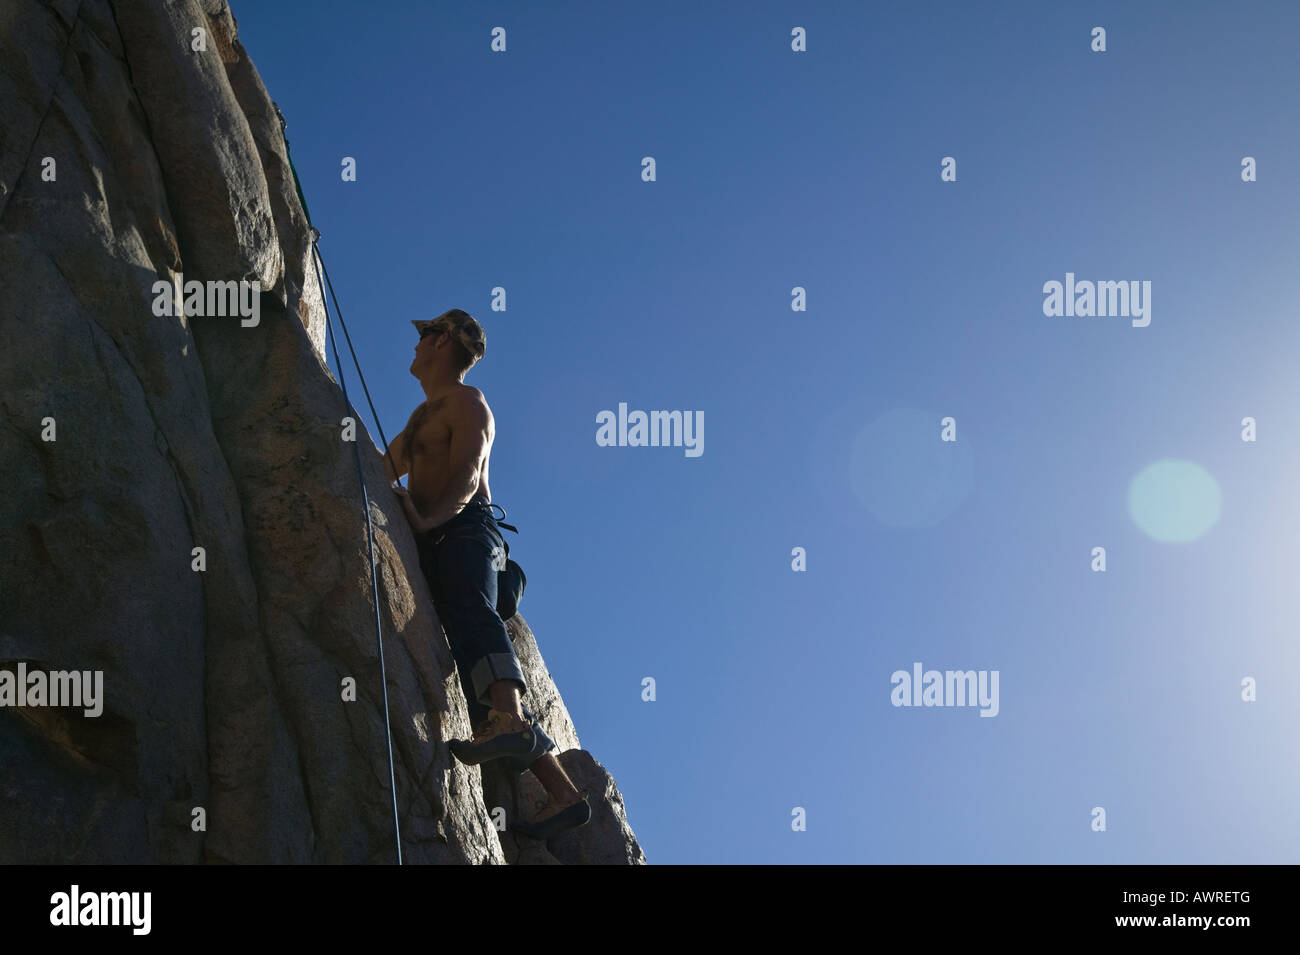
1174, 501
904, 474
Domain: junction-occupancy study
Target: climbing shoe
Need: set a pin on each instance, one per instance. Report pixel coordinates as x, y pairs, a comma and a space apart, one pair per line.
503, 734
541, 744
545, 826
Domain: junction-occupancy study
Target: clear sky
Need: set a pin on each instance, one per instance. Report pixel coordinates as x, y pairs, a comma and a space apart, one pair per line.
925, 298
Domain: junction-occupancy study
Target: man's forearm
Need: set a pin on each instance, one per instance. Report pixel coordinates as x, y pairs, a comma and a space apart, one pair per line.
395, 456
389, 465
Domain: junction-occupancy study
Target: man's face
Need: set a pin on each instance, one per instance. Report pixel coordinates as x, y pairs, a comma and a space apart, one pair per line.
425, 350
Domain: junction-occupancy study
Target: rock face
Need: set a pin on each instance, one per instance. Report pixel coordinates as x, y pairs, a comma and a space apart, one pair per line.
129, 439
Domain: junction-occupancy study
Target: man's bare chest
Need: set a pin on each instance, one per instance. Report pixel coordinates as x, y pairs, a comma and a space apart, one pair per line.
428, 431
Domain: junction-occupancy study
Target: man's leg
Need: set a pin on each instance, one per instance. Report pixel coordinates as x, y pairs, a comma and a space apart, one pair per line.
547, 769
464, 585
465, 598
558, 785
506, 697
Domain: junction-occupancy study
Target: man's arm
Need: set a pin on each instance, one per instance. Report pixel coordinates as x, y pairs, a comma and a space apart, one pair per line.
397, 451
471, 434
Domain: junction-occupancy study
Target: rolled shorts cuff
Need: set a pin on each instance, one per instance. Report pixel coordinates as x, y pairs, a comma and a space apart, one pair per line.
493, 667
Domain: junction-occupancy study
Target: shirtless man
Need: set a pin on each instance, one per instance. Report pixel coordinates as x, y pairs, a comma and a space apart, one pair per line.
445, 448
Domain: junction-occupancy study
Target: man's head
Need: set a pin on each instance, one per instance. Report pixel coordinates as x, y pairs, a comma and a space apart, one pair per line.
453, 341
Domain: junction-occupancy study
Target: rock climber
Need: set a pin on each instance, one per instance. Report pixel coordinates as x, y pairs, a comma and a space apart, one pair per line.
445, 448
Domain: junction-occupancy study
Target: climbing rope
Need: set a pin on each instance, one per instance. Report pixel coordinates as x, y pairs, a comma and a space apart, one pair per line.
360, 377
319, 261
322, 279
319, 264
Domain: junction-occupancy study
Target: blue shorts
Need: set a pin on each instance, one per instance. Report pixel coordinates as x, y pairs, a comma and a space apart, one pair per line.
459, 560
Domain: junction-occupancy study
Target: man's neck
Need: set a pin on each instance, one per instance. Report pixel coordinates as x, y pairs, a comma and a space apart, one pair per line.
437, 383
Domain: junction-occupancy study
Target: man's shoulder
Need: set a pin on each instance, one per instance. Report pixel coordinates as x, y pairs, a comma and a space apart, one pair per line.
468, 395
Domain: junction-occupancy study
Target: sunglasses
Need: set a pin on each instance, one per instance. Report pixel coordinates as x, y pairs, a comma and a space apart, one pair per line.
431, 331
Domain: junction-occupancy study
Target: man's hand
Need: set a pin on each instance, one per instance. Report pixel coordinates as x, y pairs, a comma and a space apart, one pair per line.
418, 523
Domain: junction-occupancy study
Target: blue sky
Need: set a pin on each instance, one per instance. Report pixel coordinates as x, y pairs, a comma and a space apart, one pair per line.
821, 170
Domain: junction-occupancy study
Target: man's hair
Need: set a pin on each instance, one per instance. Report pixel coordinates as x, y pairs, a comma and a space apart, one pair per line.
462, 358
